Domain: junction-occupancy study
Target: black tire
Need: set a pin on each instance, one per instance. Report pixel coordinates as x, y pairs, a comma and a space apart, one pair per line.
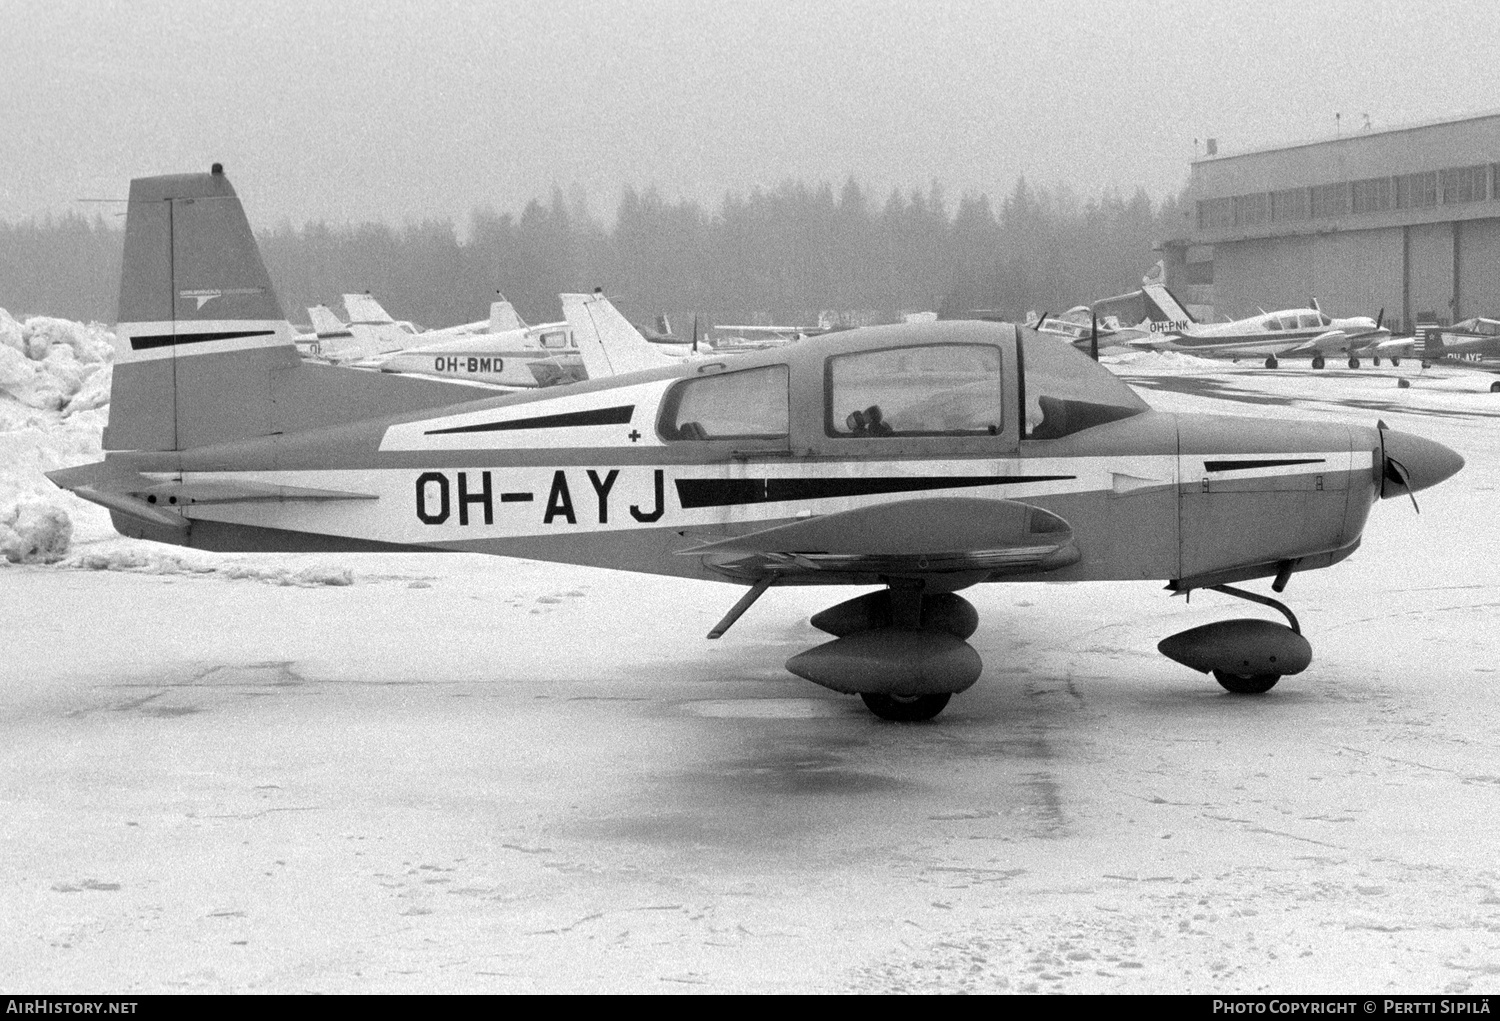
1495, 388
1375, 361
1395, 360
1318, 362
1246, 684
905, 708
1271, 362
1354, 363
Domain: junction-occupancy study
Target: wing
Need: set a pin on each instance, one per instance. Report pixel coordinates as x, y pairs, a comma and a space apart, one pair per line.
907, 538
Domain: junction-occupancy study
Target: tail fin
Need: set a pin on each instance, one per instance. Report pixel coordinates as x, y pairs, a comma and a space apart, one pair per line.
204, 353
325, 324
362, 308
1162, 306
607, 342
198, 316
1432, 347
503, 316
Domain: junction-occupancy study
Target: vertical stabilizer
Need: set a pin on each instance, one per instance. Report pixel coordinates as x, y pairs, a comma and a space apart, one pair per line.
503, 317
364, 309
1162, 306
199, 329
607, 342
325, 323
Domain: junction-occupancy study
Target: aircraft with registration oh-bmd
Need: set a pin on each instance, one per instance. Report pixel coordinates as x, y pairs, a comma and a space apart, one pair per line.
923, 458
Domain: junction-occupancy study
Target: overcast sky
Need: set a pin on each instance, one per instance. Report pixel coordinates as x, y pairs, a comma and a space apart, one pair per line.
387, 109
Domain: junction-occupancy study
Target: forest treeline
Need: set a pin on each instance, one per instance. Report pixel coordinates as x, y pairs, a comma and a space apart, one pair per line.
781, 254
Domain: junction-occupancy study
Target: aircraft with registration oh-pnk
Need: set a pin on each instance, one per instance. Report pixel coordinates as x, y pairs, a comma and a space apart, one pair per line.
920, 458
1289, 333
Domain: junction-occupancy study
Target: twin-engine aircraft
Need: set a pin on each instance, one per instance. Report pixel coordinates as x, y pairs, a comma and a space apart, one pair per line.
1289, 333
920, 458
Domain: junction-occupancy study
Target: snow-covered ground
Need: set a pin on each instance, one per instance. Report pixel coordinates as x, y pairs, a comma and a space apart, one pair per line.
406, 772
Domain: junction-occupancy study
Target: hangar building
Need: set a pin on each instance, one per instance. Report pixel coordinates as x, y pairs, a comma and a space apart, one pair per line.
1405, 219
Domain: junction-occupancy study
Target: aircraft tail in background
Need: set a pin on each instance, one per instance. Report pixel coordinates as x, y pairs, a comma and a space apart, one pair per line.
607, 342
325, 323
362, 308
503, 317
1162, 307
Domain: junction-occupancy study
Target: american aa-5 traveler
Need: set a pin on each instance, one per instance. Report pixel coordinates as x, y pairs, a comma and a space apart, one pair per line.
921, 458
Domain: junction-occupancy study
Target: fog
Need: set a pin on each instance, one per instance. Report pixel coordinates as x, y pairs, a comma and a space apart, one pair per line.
389, 110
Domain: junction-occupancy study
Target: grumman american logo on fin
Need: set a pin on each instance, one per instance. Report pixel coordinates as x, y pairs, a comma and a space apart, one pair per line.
204, 295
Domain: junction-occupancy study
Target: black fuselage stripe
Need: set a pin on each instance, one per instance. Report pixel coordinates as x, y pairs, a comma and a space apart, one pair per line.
696, 493
149, 341
1229, 466
598, 416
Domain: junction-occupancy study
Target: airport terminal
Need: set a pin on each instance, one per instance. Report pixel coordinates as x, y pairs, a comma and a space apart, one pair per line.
1406, 219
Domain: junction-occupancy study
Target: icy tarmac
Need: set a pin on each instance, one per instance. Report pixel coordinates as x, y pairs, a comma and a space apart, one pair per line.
424, 773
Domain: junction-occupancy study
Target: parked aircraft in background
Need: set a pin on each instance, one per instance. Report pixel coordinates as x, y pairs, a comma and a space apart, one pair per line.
503, 319
1305, 332
922, 458
1470, 343
592, 341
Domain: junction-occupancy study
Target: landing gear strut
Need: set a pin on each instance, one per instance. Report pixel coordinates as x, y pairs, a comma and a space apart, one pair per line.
1247, 656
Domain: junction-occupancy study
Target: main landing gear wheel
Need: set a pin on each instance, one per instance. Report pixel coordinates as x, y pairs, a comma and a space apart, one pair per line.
1318, 362
1246, 684
1395, 360
1353, 363
1375, 361
908, 708
1271, 362
1495, 388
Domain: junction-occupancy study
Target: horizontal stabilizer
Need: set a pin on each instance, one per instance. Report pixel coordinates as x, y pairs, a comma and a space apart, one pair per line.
905, 537
129, 492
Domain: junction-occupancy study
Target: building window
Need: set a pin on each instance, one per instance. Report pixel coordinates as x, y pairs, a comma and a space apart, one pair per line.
1215, 214
1330, 200
1417, 191
1370, 196
1252, 210
1289, 206
1463, 184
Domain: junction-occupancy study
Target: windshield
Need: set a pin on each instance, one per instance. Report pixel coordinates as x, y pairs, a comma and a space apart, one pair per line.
1068, 392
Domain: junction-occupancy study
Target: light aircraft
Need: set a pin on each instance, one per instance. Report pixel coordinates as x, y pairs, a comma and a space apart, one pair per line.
920, 458
593, 341
1289, 333
1470, 343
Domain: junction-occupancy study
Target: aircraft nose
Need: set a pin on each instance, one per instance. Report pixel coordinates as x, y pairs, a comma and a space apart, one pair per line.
1413, 463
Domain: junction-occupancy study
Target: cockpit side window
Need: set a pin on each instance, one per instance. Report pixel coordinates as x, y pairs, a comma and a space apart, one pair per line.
749, 404
926, 390
1288, 322
1068, 392
1308, 320
1273, 323
1323, 318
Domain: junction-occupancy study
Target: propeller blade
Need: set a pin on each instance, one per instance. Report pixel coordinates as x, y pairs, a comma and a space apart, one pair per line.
695, 333
1093, 336
1380, 318
1396, 472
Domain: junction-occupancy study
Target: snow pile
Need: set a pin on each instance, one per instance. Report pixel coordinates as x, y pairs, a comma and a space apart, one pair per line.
53, 364
145, 559
1158, 361
34, 531
54, 396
